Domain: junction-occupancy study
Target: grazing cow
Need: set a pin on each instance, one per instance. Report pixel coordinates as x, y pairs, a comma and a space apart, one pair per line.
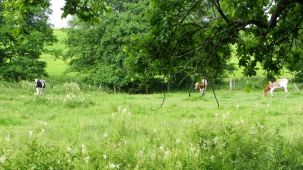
40, 86
279, 83
201, 86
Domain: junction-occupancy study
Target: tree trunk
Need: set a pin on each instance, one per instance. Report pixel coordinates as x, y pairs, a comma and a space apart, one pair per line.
115, 89
146, 89
230, 84
168, 86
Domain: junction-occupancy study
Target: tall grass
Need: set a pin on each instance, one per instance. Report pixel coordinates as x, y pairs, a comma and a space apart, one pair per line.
76, 126
79, 127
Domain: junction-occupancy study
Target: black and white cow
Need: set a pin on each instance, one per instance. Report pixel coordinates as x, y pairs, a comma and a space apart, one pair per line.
40, 86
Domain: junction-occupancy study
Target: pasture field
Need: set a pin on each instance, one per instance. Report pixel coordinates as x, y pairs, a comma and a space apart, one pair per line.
79, 127
56, 67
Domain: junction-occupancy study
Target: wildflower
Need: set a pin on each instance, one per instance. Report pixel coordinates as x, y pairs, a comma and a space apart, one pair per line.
119, 109
42, 131
212, 157
216, 139
161, 147
166, 154
8, 137
30, 133
178, 141
178, 164
83, 149
124, 110
105, 157
261, 126
237, 106
72, 87
140, 153
105, 135
42, 123
69, 149
86, 159
113, 166
2, 159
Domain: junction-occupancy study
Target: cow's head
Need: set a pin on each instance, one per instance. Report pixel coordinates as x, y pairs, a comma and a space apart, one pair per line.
267, 88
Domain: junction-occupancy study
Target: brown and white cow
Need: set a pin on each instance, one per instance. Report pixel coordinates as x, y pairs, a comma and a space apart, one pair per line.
279, 83
201, 86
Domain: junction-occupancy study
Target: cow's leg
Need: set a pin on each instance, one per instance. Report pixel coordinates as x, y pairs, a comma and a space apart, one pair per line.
203, 92
272, 92
37, 91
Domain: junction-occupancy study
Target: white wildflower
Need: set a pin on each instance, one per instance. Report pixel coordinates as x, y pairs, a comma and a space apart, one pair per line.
105, 135
212, 157
216, 139
2, 159
105, 157
42, 123
237, 106
8, 137
140, 153
86, 159
113, 166
166, 154
30, 133
71, 87
83, 149
261, 126
161, 147
178, 141
69, 149
119, 109
179, 164
124, 110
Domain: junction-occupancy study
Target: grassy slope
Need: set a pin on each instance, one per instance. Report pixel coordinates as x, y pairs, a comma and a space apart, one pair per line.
56, 67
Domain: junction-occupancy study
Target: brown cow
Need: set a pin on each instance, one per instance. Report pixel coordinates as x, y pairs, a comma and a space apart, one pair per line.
279, 83
201, 86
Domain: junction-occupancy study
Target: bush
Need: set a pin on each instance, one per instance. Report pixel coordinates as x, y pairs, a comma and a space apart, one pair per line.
23, 68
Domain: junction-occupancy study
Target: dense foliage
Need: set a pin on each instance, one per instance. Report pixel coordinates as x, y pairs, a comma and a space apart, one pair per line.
99, 50
148, 43
181, 41
24, 31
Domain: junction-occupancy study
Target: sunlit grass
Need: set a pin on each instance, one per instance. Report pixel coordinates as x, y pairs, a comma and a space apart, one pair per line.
79, 127
76, 126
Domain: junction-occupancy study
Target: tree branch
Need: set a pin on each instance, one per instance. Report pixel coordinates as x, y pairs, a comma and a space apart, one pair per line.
219, 9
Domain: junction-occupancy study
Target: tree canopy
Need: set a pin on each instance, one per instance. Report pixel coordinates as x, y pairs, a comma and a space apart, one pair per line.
122, 43
24, 31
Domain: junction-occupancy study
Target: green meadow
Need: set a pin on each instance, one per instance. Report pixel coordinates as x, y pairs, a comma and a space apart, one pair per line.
77, 126
80, 127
